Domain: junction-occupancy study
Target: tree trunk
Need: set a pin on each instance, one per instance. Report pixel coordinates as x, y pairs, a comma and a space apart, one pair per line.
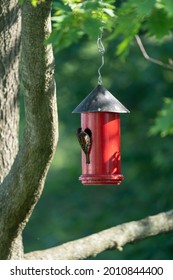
22, 188
10, 37
10, 32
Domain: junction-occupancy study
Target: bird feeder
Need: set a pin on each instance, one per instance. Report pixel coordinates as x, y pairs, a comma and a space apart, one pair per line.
100, 113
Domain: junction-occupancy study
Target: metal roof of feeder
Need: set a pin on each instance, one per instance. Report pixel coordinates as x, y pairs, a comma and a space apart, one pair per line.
100, 100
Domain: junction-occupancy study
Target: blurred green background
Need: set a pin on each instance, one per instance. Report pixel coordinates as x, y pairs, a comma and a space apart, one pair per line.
68, 210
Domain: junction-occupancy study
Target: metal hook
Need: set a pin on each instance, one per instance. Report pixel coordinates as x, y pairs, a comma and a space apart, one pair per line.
101, 50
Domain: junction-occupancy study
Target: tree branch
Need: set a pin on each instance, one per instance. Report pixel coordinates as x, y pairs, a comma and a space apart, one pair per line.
147, 57
115, 237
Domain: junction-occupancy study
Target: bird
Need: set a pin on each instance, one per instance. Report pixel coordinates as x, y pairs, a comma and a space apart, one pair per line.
84, 138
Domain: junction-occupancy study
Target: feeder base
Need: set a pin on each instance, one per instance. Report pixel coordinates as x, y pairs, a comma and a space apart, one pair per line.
101, 179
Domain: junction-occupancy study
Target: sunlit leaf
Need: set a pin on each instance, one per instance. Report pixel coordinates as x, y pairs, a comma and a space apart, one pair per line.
168, 6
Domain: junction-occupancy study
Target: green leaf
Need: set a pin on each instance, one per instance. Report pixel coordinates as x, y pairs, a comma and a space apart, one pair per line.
91, 27
163, 124
168, 6
90, 5
143, 8
159, 24
122, 48
61, 6
110, 12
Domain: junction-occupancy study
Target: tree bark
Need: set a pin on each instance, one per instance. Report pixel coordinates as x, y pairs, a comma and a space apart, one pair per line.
113, 238
10, 38
10, 33
23, 186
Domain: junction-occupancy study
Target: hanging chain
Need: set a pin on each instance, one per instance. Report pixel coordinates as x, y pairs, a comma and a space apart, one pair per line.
101, 49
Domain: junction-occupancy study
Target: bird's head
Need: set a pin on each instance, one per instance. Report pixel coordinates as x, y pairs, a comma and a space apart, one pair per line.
79, 130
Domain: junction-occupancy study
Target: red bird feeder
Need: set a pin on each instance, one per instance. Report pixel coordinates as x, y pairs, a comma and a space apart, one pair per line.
100, 115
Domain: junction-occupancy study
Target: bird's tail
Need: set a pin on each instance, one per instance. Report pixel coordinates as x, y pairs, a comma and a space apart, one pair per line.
87, 158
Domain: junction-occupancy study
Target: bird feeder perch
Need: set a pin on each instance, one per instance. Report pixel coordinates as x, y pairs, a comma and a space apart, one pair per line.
100, 113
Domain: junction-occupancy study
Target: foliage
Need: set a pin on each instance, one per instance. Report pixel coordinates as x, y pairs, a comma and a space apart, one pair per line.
164, 121
124, 19
74, 19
